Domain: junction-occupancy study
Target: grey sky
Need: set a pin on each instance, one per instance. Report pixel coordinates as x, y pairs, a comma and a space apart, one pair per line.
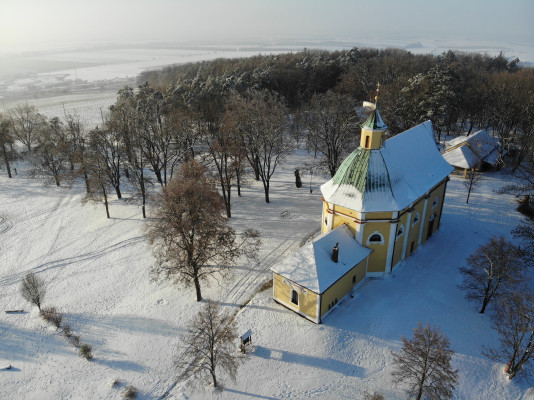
28, 22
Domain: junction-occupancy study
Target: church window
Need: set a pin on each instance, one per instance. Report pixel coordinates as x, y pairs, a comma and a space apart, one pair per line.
375, 238
367, 138
416, 219
294, 297
353, 279
400, 232
435, 203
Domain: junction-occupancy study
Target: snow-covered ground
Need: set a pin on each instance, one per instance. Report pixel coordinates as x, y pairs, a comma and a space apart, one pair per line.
98, 276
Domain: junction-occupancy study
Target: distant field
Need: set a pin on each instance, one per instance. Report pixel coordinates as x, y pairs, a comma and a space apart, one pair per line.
86, 79
88, 106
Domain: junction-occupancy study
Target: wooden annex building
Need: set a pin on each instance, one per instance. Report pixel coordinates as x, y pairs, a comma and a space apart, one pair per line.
384, 201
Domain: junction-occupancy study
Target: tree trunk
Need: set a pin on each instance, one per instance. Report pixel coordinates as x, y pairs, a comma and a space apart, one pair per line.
7, 161
238, 178
56, 177
118, 191
484, 305
214, 378
420, 393
157, 172
106, 200
266, 189
86, 179
256, 168
197, 288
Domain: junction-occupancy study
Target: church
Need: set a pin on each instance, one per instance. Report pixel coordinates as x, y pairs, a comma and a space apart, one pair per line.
385, 200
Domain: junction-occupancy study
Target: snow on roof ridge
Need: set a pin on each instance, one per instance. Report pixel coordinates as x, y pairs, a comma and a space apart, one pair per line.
312, 267
407, 166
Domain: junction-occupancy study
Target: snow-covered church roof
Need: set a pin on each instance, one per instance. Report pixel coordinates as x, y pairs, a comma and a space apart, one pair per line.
469, 151
391, 177
312, 267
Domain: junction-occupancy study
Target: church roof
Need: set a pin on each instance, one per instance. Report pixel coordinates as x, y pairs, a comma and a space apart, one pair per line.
389, 178
312, 267
374, 121
468, 151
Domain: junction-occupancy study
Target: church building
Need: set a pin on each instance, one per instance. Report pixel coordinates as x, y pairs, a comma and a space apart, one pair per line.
385, 200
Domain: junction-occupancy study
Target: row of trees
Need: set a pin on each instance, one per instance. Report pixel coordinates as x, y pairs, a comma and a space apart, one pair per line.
459, 92
244, 116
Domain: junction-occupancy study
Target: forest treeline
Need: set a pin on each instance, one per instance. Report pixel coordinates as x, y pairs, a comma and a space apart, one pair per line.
241, 117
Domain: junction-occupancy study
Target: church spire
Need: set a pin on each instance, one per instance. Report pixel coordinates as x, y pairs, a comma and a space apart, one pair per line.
374, 128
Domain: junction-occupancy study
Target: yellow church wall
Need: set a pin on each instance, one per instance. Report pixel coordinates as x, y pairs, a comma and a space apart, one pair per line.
415, 227
378, 215
399, 239
377, 259
342, 287
324, 222
340, 220
439, 193
307, 299
347, 211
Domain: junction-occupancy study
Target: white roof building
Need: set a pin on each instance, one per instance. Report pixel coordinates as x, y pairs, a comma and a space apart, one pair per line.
469, 152
312, 266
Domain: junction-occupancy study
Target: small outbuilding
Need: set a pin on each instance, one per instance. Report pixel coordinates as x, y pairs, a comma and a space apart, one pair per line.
472, 152
312, 280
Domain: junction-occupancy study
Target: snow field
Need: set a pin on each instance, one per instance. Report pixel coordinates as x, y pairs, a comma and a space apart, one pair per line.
97, 271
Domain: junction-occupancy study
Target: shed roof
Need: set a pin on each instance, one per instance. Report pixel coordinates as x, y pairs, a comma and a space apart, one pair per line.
312, 267
468, 151
389, 178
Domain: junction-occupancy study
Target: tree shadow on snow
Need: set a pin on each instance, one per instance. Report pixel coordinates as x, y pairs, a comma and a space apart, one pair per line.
25, 345
121, 365
310, 361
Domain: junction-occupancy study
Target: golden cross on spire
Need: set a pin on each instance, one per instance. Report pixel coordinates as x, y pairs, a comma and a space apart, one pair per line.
377, 90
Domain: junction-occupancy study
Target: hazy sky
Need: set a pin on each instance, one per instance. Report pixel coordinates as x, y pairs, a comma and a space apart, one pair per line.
25, 23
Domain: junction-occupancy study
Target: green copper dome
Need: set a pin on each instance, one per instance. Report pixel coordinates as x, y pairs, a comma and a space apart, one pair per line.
353, 170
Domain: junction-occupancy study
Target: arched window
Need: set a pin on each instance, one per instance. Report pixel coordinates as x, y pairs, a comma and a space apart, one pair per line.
435, 203
294, 297
416, 219
375, 238
367, 138
400, 232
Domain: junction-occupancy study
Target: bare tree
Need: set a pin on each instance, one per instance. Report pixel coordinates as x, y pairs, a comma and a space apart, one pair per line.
125, 121
513, 321
209, 345
493, 271
78, 140
191, 239
525, 232
331, 121
262, 131
107, 144
5, 140
472, 179
98, 178
424, 363
33, 289
26, 123
51, 156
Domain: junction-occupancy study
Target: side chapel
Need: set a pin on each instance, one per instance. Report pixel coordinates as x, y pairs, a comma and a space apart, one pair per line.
385, 200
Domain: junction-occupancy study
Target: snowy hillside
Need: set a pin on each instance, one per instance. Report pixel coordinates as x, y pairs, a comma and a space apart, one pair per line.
98, 276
